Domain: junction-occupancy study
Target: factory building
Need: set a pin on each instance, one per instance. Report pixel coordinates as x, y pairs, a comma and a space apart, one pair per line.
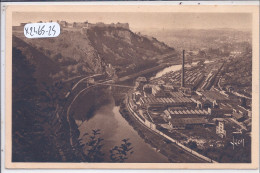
209, 99
183, 123
185, 113
166, 102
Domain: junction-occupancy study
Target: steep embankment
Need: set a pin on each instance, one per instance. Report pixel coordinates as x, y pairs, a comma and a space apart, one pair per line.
122, 47
44, 67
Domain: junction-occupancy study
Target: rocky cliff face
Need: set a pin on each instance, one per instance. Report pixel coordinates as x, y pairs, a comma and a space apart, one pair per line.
80, 52
120, 46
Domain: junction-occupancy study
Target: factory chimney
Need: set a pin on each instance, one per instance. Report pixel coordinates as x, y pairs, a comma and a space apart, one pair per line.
183, 71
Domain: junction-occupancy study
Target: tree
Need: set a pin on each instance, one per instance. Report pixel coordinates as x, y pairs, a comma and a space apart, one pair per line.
94, 146
119, 153
30, 141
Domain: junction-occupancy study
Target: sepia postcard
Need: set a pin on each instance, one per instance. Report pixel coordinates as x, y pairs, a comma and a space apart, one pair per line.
132, 86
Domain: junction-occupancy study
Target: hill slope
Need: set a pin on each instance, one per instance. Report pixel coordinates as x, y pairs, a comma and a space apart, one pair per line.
81, 52
44, 67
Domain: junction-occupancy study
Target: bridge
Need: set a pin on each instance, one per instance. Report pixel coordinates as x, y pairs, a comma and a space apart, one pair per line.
81, 80
107, 82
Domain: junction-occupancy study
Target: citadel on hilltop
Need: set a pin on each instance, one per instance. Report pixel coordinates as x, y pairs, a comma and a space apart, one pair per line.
87, 25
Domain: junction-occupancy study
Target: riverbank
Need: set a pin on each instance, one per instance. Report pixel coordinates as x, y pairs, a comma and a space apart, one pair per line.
89, 102
113, 129
174, 153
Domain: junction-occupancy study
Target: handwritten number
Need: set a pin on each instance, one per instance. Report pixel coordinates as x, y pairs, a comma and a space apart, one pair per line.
49, 31
39, 30
34, 30
43, 31
53, 30
31, 29
26, 31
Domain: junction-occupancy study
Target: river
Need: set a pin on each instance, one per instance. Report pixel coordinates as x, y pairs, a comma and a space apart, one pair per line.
174, 68
114, 128
167, 70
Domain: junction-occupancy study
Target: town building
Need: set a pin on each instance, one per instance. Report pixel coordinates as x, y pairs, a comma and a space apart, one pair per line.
220, 129
239, 113
136, 96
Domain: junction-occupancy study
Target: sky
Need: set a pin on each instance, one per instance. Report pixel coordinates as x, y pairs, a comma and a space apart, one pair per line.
143, 21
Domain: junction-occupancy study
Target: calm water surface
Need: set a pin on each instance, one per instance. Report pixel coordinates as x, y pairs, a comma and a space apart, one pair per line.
114, 128
174, 68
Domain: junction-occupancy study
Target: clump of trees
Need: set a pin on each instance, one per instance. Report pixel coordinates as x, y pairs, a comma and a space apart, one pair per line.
93, 148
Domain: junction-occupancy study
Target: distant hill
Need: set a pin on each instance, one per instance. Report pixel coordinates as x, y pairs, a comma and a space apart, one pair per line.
198, 38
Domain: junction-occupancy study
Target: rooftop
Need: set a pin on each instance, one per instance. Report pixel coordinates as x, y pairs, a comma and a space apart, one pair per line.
214, 95
166, 100
176, 94
189, 121
186, 112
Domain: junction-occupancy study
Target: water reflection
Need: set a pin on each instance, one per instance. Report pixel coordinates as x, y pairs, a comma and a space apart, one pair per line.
114, 128
174, 68
167, 70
